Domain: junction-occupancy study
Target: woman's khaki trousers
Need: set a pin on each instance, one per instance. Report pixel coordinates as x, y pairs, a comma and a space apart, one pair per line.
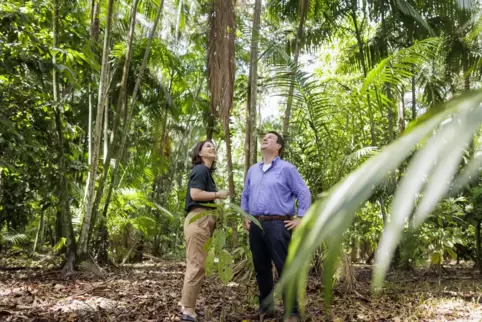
196, 235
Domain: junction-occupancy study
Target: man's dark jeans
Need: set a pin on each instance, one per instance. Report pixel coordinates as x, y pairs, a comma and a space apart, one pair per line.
269, 245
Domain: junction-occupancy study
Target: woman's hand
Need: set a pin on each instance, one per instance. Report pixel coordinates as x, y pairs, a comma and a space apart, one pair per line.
222, 194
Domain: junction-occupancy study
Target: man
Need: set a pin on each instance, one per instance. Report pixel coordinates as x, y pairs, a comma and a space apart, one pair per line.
269, 195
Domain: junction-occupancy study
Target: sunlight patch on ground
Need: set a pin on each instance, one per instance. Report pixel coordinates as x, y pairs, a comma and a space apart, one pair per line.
5, 291
85, 304
168, 273
451, 310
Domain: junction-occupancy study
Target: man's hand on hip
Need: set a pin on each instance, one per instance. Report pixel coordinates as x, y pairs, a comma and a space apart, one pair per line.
247, 224
292, 224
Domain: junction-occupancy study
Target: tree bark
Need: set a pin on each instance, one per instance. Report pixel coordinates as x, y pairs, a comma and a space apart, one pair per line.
66, 227
221, 68
414, 95
94, 36
305, 4
38, 235
401, 114
58, 222
84, 233
478, 261
250, 146
383, 210
365, 71
126, 125
121, 105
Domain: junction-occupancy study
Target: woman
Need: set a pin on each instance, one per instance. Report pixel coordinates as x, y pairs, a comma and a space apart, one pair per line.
201, 190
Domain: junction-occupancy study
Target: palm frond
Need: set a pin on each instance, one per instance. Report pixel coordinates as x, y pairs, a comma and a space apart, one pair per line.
410, 11
400, 66
448, 130
361, 154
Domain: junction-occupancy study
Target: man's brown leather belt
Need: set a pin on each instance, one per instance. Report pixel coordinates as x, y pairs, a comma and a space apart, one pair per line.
273, 217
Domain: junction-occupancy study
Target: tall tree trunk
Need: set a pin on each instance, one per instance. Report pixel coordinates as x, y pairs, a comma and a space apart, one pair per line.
94, 37
227, 136
414, 95
122, 99
66, 227
58, 222
106, 131
401, 114
478, 249
250, 146
365, 70
38, 235
383, 210
391, 134
103, 254
129, 114
466, 68
89, 135
385, 50
221, 56
178, 19
305, 5
121, 105
84, 233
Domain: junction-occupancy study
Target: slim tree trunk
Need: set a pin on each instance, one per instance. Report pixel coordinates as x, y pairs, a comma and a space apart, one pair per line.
250, 147
478, 261
66, 227
89, 135
126, 126
38, 235
466, 70
121, 105
94, 37
230, 176
122, 99
58, 223
414, 95
106, 129
178, 19
391, 134
365, 70
383, 210
401, 114
84, 233
305, 4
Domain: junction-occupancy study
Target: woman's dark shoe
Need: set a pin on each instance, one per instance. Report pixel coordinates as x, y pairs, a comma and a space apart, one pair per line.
188, 318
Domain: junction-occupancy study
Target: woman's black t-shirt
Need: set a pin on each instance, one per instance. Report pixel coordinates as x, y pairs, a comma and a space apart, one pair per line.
200, 178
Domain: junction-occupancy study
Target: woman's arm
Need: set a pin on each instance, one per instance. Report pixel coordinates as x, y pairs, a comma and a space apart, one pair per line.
201, 195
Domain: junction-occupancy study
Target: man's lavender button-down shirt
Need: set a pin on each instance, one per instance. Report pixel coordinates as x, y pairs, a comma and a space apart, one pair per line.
273, 192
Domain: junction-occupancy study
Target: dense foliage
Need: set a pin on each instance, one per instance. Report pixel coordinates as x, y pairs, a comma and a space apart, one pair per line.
102, 101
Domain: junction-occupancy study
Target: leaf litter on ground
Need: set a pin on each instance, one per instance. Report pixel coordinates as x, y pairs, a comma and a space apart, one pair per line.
151, 291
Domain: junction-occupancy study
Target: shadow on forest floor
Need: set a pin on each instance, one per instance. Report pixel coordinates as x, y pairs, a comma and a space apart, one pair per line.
151, 291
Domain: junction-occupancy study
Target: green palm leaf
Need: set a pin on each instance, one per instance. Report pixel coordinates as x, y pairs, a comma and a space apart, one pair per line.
332, 215
409, 10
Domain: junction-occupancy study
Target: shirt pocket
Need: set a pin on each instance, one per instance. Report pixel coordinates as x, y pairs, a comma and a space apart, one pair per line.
280, 178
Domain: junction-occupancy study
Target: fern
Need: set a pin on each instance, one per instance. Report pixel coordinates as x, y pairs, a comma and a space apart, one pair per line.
12, 239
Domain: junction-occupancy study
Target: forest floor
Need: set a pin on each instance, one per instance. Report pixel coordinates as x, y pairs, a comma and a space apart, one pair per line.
150, 292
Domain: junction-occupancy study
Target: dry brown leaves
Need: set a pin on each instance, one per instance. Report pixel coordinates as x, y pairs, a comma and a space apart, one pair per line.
151, 291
